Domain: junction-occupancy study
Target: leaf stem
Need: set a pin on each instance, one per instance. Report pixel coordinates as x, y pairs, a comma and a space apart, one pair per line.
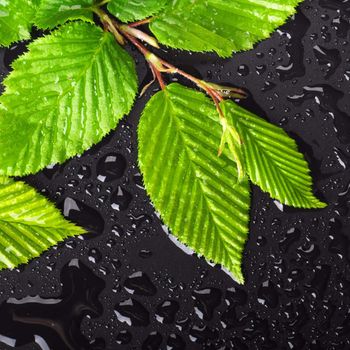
140, 23
159, 77
103, 2
157, 64
161, 66
109, 25
139, 35
147, 54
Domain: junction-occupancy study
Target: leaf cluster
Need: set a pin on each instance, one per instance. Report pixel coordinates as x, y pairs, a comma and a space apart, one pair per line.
197, 150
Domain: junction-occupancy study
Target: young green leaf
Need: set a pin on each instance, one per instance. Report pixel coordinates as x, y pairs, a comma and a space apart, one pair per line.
16, 18
63, 96
29, 224
220, 25
231, 138
272, 159
54, 12
133, 10
195, 191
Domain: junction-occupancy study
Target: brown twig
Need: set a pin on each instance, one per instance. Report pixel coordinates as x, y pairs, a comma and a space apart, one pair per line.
157, 64
163, 66
156, 72
108, 24
139, 23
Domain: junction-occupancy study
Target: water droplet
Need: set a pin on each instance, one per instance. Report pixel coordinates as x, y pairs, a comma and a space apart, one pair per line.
94, 256
267, 294
59, 317
152, 342
206, 300
84, 172
83, 215
123, 338
132, 313
243, 70
175, 342
121, 199
166, 311
140, 284
111, 167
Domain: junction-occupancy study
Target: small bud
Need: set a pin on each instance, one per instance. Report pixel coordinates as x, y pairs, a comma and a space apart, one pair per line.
228, 91
140, 35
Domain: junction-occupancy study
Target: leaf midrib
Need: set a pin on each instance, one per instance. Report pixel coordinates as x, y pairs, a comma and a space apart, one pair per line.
211, 215
86, 68
45, 225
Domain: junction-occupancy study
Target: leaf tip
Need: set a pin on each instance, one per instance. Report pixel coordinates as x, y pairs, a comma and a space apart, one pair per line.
235, 272
320, 205
239, 278
76, 230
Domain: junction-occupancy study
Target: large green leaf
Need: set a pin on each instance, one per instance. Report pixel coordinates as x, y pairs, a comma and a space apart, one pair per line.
16, 18
220, 25
132, 10
195, 191
29, 224
63, 96
272, 159
53, 12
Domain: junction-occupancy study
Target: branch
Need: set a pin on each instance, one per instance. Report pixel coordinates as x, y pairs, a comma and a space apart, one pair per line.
157, 64
109, 25
140, 23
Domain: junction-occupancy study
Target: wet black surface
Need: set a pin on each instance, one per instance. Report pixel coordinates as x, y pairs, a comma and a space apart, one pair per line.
128, 286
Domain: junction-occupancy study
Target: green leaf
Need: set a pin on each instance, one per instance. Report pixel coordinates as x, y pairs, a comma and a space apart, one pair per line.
232, 139
16, 18
54, 12
272, 160
220, 25
133, 10
63, 96
29, 224
195, 191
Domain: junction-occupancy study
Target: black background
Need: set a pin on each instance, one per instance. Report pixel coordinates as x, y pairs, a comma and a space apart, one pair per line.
296, 264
